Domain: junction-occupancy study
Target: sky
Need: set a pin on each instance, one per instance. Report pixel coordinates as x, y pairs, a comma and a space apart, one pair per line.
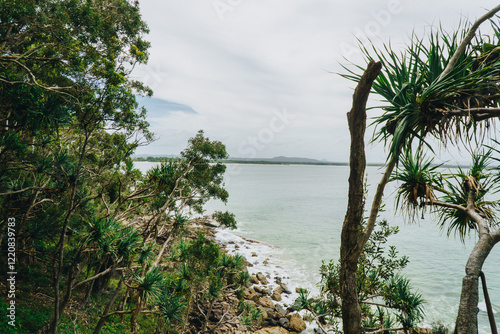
262, 76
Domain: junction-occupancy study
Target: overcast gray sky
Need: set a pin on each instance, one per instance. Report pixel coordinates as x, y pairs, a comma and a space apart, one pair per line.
259, 74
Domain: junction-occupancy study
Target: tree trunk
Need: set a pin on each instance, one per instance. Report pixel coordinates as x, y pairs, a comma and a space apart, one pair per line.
351, 229
467, 311
105, 314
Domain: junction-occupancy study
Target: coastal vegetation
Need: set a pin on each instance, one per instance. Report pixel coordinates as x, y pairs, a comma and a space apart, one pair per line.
100, 247
97, 244
445, 87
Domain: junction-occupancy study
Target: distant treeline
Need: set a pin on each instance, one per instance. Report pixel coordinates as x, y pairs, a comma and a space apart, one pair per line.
252, 162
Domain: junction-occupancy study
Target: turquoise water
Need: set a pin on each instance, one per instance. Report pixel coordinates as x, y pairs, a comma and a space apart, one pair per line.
300, 210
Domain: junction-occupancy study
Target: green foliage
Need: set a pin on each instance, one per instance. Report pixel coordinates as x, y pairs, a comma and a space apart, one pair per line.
438, 328
69, 124
225, 218
422, 185
249, 315
420, 102
377, 279
418, 177
29, 319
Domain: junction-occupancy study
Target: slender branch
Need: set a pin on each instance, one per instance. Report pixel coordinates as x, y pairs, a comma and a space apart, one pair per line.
375, 304
377, 201
447, 205
470, 34
102, 273
478, 114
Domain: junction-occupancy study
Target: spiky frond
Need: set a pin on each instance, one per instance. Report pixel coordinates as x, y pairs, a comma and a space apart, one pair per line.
150, 285
419, 103
418, 177
478, 178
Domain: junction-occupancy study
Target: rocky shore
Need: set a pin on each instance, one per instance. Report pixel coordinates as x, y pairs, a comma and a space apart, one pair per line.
267, 292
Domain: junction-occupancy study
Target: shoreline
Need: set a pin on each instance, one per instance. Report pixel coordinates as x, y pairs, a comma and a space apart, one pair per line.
260, 260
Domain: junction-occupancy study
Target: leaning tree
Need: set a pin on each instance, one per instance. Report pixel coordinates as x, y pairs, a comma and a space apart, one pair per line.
444, 87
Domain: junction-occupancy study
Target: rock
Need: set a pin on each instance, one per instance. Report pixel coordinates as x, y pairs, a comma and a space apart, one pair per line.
285, 323
285, 289
250, 294
262, 279
281, 310
266, 302
276, 295
212, 223
254, 254
254, 279
264, 313
296, 323
236, 246
425, 330
266, 261
272, 330
262, 290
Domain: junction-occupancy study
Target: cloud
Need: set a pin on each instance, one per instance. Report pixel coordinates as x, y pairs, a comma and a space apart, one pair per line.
158, 107
263, 56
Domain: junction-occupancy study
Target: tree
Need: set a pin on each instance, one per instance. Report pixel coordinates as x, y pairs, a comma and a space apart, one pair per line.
460, 200
379, 286
439, 88
353, 237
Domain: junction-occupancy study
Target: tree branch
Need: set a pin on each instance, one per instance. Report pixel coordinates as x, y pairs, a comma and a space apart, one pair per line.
447, 205
470, 34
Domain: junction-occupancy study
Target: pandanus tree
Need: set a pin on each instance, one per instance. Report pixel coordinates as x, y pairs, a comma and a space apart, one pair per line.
460, 200
444, 87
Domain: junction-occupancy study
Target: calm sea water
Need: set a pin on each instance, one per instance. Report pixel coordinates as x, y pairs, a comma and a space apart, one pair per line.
300, 210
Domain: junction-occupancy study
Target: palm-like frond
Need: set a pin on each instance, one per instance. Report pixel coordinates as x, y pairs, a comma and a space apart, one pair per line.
478, 178
400, 297
418, 179
171, 307
419, 103
150, 285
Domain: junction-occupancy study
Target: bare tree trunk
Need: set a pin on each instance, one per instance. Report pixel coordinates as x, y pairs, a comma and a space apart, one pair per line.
467, 311
351, 229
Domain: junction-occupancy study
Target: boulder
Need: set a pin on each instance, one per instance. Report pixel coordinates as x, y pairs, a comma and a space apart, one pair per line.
254, 254
272, 330
281, 310
285, 323
266, 302
261, 289
262, 279
296, 323
285, 289
263, 312
276, 295
254, 279
250, 294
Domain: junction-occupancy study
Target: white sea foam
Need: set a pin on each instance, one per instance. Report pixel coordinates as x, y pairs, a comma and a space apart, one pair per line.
272, 263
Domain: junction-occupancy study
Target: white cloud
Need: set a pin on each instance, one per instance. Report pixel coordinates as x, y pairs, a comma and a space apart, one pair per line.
264, 56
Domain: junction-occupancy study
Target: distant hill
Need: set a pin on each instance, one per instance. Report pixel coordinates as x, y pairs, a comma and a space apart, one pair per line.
276, 160
280, 159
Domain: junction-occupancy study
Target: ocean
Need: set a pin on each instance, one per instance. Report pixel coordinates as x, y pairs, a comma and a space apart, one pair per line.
295, 212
